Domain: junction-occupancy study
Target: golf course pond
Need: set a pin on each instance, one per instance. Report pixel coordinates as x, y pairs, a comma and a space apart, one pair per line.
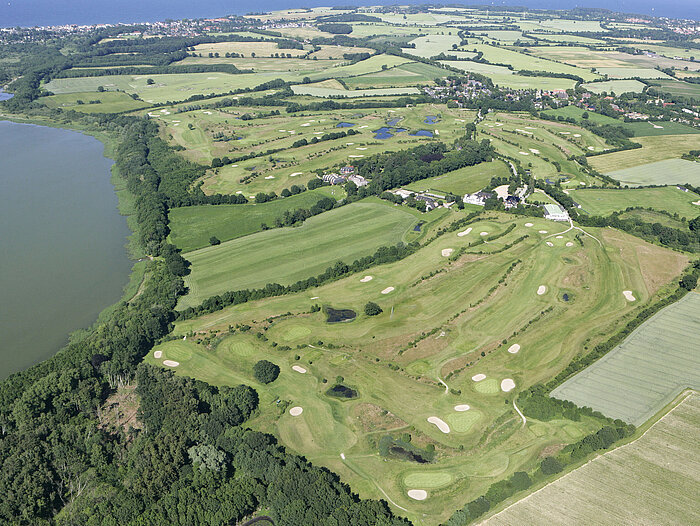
339, 315
63, 258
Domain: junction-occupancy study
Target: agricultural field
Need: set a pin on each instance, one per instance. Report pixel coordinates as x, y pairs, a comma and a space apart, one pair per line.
680, 88
654, 148
662, 463
427, 334
431, 45
669, 171
628, 73
615, 62
192, 226
110, 102
319, 91
286, 255
247, 49
411, 74
668, 198
166, 87
643, 374
617, 87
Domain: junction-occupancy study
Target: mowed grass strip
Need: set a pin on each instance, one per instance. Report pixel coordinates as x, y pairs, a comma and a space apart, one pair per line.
668, 198
669, 171
643, 374
192, 226
287, 255
465, 180
110, 102
662, 463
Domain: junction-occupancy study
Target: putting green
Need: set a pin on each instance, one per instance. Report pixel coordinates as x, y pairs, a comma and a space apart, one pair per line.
462, 422
240, 348
177, 350
427, 479
419, 367
488, 386
296, 332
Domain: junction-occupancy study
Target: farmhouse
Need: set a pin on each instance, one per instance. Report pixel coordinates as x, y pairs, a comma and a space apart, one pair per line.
478, 198
555, 213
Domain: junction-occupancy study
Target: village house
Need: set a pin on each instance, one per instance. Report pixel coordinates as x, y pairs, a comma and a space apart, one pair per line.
479, 198
333, 178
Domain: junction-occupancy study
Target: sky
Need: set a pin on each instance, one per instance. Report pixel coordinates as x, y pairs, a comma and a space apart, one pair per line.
56, 12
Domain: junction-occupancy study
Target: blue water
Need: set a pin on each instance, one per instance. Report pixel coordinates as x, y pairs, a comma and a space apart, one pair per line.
344, 125
387, 133
52, 12
422, 133
5, 96
565, 297
393, 122
430, 119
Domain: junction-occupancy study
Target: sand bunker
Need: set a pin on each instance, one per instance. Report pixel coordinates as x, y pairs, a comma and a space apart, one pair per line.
528, 225
157, 354
628, 295
299, 369
541, 290
565, 133
478, 377
560, 237
514, 348
462, 407
534, 150
543, 231
696, 203
550, 244
171, 363
342, 455
360, 148
365, 126
447, 252
349, 143
507, 385
569, 244
484, 234
296, 411
577, 135
387, 290
591, 148
295, 174
464, 232
418, 494
582, 183
523, 153
366, 279
441, 424
270, 177
355, 156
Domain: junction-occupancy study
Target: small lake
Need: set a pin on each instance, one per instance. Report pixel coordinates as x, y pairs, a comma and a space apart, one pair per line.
63, 256
344, 125
5, 96
387, 133
430, 119
422, 133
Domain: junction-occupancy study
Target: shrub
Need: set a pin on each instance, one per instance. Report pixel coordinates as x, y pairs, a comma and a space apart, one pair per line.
550, 466
265, 372
372, 309
213, 240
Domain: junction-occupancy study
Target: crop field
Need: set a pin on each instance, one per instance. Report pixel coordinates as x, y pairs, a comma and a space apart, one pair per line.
431, 45
654, 148
668, 198
409, 74
574, 112
286, 255
192, 226
628, 73
465, 180
397, 379
247, 49
478, 67
309, 89
649, 481
505, 35
337, 52
638, 378
110, 102
621, 63
166, 87
371, 65
675, 87
568, 39
669, 171
615, 86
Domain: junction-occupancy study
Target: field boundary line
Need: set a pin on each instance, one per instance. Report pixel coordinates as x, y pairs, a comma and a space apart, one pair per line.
685, 395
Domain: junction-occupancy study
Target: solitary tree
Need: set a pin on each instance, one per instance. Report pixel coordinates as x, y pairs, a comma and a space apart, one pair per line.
372, 309
265, 372
150, 82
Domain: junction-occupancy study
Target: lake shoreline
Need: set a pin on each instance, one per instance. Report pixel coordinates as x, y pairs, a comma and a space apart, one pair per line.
133, 279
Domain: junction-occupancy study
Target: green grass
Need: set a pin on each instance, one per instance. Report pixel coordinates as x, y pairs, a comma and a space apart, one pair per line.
670, 171
192, 226
429, 479
431, 45
629, 73
465, 180
648, 129
668, 198
654, 148
616, 86
574, 112
675, 87
363, 351
652, 480
411, 74
290, 254
167, 87
110, 102
647, 371
309, 89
